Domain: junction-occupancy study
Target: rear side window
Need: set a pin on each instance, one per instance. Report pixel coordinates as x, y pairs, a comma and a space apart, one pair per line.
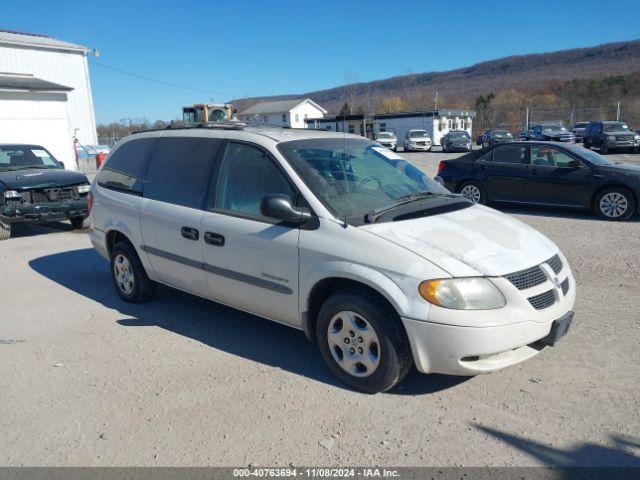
180, 170
124, 171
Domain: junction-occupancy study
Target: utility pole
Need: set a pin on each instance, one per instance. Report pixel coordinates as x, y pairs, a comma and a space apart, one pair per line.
618, 112
526, 120
435, 102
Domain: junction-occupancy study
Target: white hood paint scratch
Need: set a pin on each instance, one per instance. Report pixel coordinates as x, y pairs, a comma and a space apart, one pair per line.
474, 241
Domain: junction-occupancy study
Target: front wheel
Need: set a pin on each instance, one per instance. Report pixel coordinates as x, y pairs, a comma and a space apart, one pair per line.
586, 144
362, 341
128, 274
615, 204
5, 231
604, 148
473, 191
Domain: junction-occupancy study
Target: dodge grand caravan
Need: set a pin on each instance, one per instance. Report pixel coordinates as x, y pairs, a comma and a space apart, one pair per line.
336, 235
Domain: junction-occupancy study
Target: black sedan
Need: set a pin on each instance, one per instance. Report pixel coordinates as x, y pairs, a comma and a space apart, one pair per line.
35, 188
545, 173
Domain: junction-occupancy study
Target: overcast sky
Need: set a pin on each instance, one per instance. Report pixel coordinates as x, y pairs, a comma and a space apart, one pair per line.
223, 50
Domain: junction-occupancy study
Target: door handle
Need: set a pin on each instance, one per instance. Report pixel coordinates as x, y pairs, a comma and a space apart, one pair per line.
214, 239
190, 233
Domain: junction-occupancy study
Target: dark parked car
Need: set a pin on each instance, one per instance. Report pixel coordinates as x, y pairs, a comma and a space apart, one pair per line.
480, 137
545, 173
35, 188
496, 136
525, 135
578, 130
456, 141
611, 135
553, 132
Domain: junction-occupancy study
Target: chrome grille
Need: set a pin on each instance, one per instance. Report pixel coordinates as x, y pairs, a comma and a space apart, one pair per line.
555, 263
527, 278
543, 300
565, 286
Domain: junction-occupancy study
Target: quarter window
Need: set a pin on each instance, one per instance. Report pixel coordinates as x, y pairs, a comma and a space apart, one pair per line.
180, 170
126, 166
247, 176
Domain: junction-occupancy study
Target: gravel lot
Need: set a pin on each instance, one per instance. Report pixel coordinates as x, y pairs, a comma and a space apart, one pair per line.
86, 379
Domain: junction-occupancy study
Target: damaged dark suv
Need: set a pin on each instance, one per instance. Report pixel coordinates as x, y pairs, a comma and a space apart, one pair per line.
35, 188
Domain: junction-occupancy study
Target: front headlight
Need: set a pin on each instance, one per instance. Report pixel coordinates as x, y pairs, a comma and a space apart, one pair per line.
12, 194
462, 293
84, 188
636, 137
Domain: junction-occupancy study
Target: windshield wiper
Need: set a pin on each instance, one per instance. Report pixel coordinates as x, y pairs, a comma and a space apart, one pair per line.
374, 215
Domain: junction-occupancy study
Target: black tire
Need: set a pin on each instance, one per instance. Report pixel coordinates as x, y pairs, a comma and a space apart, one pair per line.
586, 144
482, 200
395, 359
79, 223
444, 149
143, 288
604, 148
631, 204
5, 231
407, 149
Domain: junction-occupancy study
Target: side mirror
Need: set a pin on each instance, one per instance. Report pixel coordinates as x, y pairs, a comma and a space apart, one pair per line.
575, 164
280, 208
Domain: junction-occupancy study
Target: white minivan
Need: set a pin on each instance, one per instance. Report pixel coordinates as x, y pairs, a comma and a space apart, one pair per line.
335, 235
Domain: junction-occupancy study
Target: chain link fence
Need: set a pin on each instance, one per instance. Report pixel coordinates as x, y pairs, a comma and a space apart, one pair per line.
516, 120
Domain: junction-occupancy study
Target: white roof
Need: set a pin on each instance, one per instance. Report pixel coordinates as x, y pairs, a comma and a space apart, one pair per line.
38, 41
279, 106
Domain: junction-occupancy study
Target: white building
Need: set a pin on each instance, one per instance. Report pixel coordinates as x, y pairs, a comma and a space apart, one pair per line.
437, 123
288, 113
45, 94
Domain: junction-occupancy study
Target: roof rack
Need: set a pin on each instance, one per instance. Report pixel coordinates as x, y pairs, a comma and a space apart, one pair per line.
223, 125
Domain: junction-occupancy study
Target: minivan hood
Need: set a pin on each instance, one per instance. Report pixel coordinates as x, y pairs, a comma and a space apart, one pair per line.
475, 241
40, 178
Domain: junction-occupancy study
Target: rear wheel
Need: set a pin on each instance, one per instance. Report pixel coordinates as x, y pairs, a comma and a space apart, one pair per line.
615, 203
473, 191
5, 231
128, 274
362, 341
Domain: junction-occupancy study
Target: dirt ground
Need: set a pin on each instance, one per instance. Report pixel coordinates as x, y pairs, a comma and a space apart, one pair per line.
86, 379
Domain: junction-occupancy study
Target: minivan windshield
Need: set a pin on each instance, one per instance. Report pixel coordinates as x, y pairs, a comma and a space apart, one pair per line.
385, 135
20, 157
356, 175
418, 134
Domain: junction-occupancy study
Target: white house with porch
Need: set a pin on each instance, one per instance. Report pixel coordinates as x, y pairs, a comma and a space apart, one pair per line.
287, 113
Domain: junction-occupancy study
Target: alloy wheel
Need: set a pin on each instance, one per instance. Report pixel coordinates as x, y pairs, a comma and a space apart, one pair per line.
614, 204
354, 344
123, 273
471, 192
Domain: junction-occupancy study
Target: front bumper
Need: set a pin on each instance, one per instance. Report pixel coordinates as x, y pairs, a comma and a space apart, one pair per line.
43, 212
426, 147
472, 342
454, 350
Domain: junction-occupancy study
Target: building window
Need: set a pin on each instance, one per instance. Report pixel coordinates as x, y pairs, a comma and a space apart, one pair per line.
352, 129
305, 116
383, 127
265, 118
297, 118
328, 127
450, 124
284, 118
